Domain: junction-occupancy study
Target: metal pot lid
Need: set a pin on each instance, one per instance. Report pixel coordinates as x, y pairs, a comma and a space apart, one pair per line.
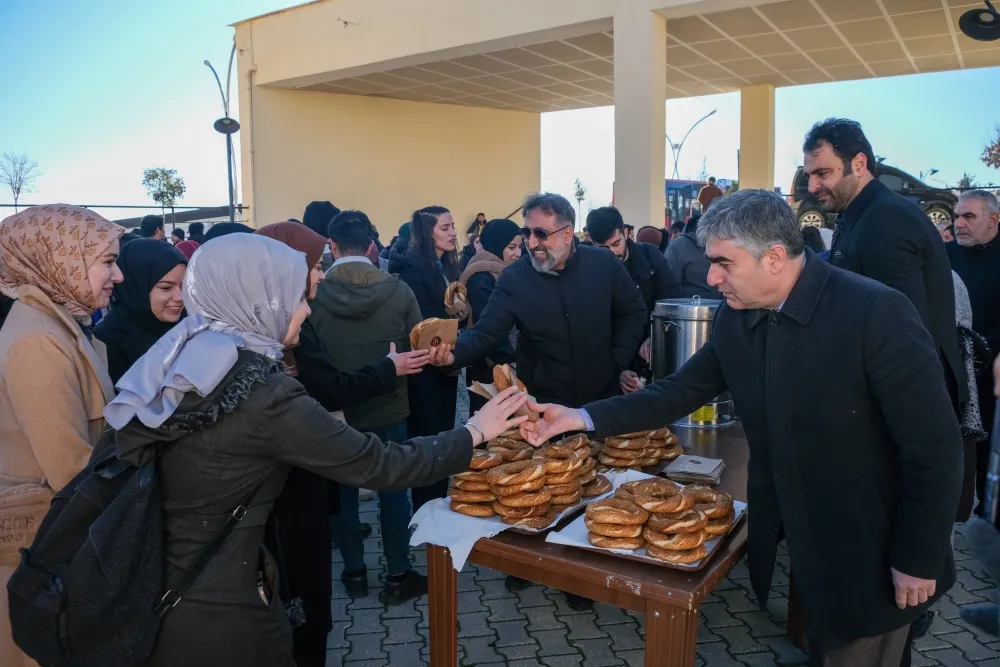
694, 308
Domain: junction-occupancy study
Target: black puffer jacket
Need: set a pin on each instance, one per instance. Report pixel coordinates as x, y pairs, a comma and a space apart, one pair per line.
577, 330
254, 426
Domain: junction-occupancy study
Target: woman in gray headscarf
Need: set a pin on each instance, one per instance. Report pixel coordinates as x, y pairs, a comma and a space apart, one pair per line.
213, 399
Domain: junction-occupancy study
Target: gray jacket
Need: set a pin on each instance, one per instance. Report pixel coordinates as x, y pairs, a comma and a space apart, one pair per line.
688, 268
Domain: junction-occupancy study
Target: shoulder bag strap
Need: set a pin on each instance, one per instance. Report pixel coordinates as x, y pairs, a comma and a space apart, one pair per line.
174, 595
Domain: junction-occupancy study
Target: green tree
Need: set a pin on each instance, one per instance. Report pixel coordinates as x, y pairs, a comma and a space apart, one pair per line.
579, 193
164, 186
18, 172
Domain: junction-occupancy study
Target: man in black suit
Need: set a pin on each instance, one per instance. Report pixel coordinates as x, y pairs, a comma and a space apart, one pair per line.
854, 450
882, 236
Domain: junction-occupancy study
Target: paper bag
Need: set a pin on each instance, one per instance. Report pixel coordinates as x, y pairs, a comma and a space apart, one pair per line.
439, 332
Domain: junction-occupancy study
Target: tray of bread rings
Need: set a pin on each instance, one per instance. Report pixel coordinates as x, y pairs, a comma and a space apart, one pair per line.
529, 489
653, 520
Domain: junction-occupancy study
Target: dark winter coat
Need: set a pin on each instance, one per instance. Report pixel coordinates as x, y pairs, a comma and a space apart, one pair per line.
253, 427
358, 312
884, 237
648, 269
855, 454
130, 328
577, 330
432, 392
687, 267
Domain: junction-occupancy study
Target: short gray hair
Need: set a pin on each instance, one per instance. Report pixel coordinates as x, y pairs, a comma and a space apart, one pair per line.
550, 203
988, 198
755, 220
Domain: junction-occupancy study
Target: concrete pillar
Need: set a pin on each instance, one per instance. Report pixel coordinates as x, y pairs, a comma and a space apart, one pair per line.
757, 137
640, 113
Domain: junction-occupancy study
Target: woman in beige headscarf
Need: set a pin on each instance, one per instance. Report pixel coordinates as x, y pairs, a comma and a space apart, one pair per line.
58, 263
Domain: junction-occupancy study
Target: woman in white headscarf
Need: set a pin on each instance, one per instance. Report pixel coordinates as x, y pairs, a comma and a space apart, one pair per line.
215, 394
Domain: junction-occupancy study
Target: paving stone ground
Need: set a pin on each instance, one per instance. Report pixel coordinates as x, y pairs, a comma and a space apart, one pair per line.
536, 628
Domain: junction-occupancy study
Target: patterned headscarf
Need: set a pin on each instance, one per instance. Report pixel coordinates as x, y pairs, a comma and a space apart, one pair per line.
51, 247
240, 292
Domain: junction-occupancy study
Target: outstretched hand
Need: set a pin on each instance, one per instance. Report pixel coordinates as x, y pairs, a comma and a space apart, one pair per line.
494, 419
408, 363
442, 355
554, 420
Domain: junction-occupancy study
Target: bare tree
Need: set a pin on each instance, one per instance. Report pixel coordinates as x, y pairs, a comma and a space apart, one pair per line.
967, 182
991, 154
18, 172
579, 193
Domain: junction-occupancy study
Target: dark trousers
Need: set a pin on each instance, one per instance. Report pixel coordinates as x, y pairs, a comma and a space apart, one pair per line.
432, 410
394, 512
879, 651
987, 408
306, 560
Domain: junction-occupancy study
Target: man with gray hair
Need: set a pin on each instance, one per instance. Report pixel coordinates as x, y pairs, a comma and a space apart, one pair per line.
580, 319
855, 453
975, 257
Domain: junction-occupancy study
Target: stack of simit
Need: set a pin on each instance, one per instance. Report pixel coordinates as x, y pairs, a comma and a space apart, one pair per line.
640, 450
681, 519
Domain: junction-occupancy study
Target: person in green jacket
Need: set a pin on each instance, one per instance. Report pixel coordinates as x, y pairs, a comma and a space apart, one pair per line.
359, 312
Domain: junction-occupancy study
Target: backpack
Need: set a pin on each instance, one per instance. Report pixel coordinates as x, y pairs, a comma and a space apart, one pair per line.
89, 592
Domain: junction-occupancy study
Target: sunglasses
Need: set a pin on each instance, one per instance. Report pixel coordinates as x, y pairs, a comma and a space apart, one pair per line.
540, 234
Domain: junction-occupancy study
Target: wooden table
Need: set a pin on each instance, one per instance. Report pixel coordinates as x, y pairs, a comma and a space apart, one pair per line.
668, 597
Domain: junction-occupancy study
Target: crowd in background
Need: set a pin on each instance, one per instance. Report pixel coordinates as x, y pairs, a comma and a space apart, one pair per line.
274, 366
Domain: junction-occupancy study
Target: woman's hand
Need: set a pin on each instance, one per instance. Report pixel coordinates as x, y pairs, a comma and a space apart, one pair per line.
555, 420
408, 363
493, 419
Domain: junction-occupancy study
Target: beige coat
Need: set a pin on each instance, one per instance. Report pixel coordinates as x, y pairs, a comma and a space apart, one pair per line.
54, 385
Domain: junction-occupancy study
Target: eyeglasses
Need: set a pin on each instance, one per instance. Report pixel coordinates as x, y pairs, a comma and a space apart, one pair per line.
540, 234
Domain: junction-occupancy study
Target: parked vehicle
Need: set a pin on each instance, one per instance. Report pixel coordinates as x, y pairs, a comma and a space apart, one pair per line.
937, 203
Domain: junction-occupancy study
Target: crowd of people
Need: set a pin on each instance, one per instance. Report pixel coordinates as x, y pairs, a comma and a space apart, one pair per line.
270, 370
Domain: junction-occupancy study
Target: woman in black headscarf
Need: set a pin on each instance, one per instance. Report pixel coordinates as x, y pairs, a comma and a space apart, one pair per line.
146, 305
501, 243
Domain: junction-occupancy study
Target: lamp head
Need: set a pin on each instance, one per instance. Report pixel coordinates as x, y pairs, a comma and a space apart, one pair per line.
982, 25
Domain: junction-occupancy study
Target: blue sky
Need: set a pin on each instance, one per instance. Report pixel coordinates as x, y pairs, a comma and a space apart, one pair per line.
97, 91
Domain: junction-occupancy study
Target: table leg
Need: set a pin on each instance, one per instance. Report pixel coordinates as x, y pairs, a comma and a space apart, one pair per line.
442, 603
671, 635
796, 629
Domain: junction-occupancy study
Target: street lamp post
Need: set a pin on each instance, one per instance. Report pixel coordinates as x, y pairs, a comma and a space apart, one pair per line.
676, 148
228, 127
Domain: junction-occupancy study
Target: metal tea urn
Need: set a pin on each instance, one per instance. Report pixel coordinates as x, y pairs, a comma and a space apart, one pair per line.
680, 328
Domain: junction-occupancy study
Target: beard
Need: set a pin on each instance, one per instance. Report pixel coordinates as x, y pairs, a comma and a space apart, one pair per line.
543, 265
840, 196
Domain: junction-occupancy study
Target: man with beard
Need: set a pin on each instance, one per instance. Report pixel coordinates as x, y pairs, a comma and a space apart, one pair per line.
579, 317
647, 268
883, 236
